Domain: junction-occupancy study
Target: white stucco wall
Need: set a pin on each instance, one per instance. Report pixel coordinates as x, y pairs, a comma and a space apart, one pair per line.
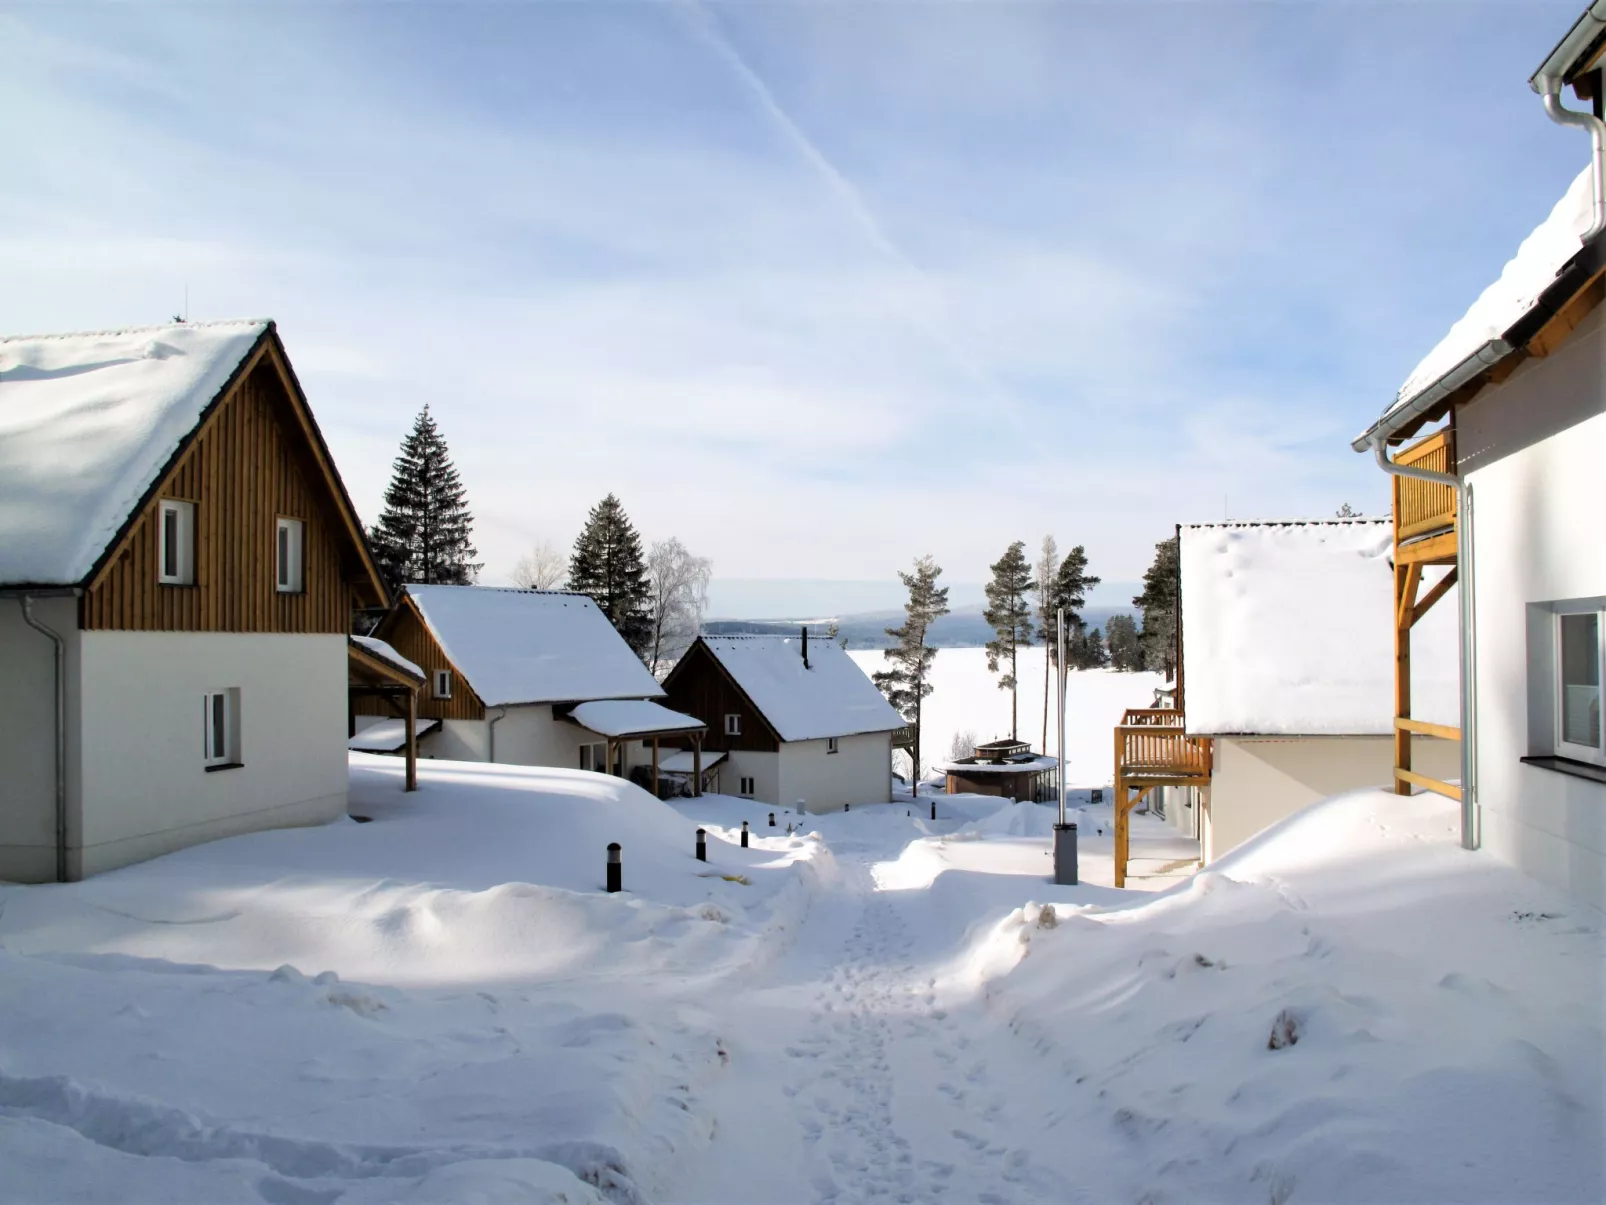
1258, 781
145, 787
859, 772
27, 737
1533, 452
765, 771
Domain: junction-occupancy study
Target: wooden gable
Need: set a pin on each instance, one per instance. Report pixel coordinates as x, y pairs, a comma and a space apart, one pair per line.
700, 686
255, 457
405, 631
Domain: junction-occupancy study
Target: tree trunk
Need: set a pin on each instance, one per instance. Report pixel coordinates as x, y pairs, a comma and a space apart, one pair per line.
1046, 659
1014, 688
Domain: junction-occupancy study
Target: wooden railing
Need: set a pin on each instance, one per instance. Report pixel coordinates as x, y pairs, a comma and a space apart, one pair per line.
1424, 506
1151, 741
904, 738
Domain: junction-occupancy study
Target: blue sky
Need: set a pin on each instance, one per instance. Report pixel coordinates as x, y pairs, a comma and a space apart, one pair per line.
816, 287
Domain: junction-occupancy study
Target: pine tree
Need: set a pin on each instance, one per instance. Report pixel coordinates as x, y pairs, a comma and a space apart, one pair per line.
1048, 563
1071, 585
1090, 651
608, 565
1122, 636
423, 534
908, 681
1158, 601
1009, 613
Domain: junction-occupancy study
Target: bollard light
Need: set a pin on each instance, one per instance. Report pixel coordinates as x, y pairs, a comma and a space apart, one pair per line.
702, 845
933, 809
845, 807
744, 834
615, 870
772, 819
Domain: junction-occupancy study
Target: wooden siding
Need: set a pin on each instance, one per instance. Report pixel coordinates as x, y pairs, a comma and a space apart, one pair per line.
699, 686
405, 632
246, 467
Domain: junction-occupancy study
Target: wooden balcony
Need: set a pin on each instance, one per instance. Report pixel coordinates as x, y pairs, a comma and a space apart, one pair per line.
1425, 511
1153, 749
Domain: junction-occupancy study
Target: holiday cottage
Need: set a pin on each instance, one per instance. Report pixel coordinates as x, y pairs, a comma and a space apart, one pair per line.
1498, 476
179, 564
1286, 668
799, 723
527, 677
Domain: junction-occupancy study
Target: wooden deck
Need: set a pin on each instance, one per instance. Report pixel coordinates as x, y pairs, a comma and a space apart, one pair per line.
1153, 749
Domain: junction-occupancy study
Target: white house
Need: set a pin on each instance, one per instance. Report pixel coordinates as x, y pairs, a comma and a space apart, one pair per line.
179, 563
800, 723
1287, 655
1515, 477
528, 677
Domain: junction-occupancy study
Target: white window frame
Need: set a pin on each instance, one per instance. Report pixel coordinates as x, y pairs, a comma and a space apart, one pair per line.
1564, 748
831, 745
442, 682
733, 723
290, 556
181, 544
749, 787
220, 728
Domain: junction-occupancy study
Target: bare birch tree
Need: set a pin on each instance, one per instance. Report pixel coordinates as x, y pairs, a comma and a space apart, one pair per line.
544, 568
679, 584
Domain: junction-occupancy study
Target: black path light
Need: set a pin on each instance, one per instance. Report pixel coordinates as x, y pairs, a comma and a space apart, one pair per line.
933, 809
702, 845
772, 819
615, 870
744, 834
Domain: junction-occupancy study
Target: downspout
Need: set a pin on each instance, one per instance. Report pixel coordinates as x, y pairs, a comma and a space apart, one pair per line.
61, 733
490, 727
1470, 838
1549, 88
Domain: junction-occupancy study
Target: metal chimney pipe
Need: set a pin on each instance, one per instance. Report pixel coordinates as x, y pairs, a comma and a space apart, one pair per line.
805, 646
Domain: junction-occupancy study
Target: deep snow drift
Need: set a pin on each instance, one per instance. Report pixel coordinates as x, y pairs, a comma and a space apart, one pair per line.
1350, 1008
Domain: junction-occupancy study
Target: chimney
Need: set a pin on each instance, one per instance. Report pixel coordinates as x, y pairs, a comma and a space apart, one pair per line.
805, 646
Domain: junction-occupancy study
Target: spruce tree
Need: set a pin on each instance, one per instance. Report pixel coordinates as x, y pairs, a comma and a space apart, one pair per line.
423, 534
608, 565
1158, 639
1090, 651
1121, 634
1009, 613
908, 681
1048, 563
1071, 585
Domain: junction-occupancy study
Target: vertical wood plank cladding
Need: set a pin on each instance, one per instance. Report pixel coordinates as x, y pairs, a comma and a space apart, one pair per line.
700, 687
409, 637
246, 468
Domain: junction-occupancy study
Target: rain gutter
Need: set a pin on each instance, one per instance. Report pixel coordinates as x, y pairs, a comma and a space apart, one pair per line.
60, 679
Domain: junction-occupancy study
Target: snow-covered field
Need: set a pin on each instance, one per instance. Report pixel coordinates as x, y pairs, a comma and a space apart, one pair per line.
966, 698
442, 1005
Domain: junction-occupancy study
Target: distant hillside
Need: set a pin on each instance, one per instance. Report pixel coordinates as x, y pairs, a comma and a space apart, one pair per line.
964, 628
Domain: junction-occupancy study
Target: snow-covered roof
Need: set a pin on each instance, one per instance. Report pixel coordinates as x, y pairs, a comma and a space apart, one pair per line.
389, 736
832, 697
87, 424
1287, 629
682, 763
532, 646
386, 653
631, 717
1028, 765
1540, 257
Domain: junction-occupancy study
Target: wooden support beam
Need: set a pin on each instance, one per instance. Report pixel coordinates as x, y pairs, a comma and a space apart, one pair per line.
1435, 550
1433, 595
697, 766
412, 741
1405, 599
1443, 731
655, 766
1406, 578
1408, 778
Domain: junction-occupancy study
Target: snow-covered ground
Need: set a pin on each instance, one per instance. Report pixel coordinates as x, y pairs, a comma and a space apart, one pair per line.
966, 698
442, 1005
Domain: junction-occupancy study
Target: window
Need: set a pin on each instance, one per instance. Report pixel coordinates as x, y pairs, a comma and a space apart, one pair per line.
443, 684
176, 537
733, 726
1579, 665
747, 786
291, 545
830, 744
220, 727
594, 757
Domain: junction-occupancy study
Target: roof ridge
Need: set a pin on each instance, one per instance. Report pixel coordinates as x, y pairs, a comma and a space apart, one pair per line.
1350, 521
138, 330
410, 586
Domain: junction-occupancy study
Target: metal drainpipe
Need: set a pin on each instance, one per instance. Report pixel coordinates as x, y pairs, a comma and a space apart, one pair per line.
1550, 92
61, 733
1470, 836
491, 728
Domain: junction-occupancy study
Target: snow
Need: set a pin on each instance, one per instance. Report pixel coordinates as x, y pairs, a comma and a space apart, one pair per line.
386, 653
1287, 629
682, 761
1533, 269
88, 422
1009, 767
532, 646
966, 698
443, 1006
832, 697
389, 736
632, 717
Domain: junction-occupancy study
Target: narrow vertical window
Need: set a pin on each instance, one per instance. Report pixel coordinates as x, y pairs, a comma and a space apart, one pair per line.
1579, 720
443, 684
176, 537
733, 725
830, 744
291, 559
220, 728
